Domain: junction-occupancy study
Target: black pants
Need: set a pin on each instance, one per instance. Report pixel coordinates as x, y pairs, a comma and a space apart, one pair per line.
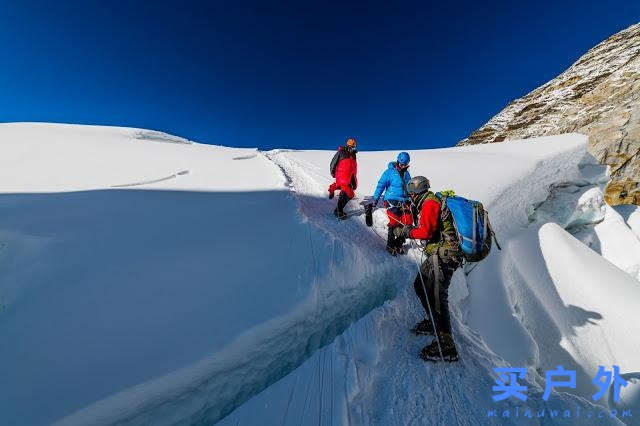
343, 199
436, 275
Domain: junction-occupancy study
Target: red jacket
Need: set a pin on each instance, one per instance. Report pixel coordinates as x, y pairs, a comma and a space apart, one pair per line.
344, 168
428, 225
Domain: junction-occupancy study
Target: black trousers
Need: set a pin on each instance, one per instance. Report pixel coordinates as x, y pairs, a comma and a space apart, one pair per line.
343, 199
436, 276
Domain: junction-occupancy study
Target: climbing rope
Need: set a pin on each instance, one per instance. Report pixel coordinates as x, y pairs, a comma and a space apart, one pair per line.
435, 330
424, 289
433, 322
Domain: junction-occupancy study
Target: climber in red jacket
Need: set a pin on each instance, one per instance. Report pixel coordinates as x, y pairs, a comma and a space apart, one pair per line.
442, 256
344, 168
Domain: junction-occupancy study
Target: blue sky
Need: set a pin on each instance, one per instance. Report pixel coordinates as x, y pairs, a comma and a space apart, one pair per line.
291, 74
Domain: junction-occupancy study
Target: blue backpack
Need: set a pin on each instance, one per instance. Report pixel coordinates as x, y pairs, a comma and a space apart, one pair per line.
472, 224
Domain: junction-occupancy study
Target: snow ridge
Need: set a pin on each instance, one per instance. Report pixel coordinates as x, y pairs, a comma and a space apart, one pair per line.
360, 277
322, 337
370, 374
155, 136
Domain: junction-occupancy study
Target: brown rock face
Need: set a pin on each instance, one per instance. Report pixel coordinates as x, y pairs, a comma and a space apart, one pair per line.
598, 96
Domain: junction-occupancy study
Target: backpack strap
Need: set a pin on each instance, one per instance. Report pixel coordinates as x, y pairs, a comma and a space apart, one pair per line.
493, 234
474, 236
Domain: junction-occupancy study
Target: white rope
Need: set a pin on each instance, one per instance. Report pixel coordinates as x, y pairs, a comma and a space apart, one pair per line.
433, 322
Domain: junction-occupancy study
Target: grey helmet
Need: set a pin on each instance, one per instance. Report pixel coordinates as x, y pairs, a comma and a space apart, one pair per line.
418, 185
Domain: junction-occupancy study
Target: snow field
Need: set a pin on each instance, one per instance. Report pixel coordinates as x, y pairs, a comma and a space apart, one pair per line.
371, 375
218, 286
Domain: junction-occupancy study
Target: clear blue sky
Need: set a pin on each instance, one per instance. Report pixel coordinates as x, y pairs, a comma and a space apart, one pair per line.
291, 74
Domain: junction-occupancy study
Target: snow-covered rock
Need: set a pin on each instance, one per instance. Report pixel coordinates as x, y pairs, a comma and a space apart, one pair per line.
596, 96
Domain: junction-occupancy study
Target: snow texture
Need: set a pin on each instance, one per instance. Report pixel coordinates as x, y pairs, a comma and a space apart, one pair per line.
147, 279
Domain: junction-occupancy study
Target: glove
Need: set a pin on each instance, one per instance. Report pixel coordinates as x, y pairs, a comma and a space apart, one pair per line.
401, 231
374, 202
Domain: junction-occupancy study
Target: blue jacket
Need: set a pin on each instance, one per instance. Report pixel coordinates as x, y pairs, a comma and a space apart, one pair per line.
392, 185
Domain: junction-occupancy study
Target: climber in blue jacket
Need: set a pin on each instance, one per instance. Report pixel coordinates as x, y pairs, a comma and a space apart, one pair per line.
393, 183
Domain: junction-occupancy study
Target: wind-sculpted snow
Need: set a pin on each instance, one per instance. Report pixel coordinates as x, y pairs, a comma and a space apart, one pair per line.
231, 293
371, 374
39, 157
578, 275
150, 181
631, 216
350, 275
154, 136
580, 208
202, 298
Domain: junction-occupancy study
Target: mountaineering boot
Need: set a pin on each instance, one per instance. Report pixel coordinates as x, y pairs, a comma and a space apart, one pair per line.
399, 243
423, 328
342, 201
400, 250
339, 215
392, 251
432, 353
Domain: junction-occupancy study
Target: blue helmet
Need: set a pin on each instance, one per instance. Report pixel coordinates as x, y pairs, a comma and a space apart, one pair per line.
403, 158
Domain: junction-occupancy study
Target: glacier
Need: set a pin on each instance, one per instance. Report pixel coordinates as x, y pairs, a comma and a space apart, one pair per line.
148, 279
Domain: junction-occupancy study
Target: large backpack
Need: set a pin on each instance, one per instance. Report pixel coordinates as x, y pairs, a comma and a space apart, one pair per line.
472, 224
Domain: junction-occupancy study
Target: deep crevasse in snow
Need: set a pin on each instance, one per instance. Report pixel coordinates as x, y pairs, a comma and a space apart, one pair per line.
311, 334
182, 295
370, 375
371, 365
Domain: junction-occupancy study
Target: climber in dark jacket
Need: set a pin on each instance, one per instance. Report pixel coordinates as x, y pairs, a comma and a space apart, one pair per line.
344, 168
442, 257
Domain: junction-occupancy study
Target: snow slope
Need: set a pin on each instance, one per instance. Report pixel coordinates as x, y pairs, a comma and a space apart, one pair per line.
615, 238
172, 262
507, 310
102, 288
631, 215
150, 280
605, 329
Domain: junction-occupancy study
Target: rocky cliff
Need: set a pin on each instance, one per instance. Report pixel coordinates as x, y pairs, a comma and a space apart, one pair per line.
598, 96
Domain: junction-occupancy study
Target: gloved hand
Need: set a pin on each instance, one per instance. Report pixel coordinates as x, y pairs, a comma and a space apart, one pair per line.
401, 231
374, 202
